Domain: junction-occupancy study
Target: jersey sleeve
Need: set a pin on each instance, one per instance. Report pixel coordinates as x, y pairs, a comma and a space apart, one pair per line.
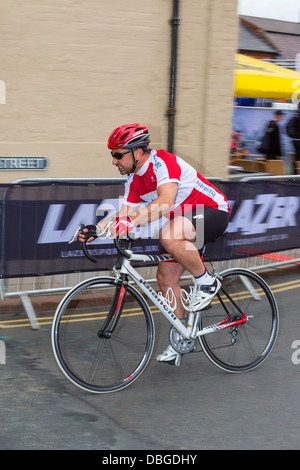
168, 168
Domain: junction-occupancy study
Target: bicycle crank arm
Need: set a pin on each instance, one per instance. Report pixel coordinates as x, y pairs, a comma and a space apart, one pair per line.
222, 326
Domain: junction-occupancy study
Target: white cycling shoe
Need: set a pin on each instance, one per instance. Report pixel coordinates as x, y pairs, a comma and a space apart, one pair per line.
169, 355
203, 295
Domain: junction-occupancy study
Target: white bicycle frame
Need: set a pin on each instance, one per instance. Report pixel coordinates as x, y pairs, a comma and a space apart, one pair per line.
191, 331
159, 301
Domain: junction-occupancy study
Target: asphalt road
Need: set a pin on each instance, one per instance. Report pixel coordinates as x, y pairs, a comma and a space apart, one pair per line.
193, 407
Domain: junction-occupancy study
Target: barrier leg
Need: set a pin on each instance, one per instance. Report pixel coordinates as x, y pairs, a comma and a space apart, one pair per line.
250, 288
30, 311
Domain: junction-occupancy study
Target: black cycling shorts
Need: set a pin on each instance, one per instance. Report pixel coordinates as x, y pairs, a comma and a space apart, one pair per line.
215, 223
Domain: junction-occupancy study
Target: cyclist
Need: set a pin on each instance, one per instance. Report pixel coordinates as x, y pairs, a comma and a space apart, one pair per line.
166, 193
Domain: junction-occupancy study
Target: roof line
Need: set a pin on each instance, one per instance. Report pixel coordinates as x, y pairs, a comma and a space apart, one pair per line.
260, 32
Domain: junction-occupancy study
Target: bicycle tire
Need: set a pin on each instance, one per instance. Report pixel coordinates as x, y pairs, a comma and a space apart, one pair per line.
246, 346
96, 363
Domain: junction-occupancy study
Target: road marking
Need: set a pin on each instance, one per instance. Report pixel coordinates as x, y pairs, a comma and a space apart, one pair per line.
43, 321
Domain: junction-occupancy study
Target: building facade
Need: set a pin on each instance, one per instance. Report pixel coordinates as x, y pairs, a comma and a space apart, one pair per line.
73, 70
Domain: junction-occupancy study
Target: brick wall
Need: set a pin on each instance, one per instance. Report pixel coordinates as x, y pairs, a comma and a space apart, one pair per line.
74, 70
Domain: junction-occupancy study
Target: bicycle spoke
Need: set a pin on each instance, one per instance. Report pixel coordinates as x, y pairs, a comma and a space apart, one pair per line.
89, 357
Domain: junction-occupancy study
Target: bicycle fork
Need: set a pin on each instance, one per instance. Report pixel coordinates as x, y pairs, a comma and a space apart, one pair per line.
115, 310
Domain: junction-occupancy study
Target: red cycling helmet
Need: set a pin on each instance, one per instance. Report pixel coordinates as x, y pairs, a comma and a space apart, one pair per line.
129, 136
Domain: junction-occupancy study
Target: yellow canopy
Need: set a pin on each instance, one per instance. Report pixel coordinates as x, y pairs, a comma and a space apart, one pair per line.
258, 79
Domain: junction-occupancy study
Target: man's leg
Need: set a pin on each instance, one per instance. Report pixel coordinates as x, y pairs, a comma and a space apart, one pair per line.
177, 237
168, 275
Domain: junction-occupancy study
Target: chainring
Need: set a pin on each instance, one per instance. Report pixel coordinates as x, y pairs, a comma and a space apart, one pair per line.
180, 344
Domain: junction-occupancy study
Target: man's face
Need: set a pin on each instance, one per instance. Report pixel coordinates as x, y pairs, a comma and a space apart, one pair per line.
122, 159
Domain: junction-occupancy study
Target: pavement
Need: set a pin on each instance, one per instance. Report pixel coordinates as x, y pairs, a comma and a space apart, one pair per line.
170, 409
40, 303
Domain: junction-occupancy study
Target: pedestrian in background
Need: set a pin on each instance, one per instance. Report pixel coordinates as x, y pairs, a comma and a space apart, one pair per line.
236, 145
293, 131
271, 144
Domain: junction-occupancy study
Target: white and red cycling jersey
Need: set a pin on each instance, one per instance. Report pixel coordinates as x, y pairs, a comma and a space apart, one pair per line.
163, 167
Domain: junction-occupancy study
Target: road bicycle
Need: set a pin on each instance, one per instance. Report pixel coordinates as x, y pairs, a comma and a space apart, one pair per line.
103, 332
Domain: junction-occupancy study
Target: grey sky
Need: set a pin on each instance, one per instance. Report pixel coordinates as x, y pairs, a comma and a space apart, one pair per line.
285, 10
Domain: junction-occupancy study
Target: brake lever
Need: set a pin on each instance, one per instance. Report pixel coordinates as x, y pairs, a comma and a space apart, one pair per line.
76, 234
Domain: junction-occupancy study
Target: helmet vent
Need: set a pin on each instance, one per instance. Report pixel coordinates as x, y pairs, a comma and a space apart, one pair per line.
124, 136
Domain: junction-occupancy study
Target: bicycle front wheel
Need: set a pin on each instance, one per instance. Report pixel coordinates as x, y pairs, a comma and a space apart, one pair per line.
245, 346
102, 335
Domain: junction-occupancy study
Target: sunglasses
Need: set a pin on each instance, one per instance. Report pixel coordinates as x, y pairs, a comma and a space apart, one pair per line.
119, 155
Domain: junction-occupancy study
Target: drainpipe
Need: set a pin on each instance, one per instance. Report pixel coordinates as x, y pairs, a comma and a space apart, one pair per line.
172, 110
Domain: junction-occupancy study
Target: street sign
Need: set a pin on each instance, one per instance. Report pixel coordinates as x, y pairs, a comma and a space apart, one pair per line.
23, 163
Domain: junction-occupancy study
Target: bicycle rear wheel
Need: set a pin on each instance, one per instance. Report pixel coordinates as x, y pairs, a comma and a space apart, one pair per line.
243, 347
89, 355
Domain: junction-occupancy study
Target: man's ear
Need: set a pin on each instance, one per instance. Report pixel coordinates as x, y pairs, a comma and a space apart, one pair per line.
139, 153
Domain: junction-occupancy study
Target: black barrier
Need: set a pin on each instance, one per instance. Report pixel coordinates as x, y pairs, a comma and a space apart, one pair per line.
264, 218
39, 219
